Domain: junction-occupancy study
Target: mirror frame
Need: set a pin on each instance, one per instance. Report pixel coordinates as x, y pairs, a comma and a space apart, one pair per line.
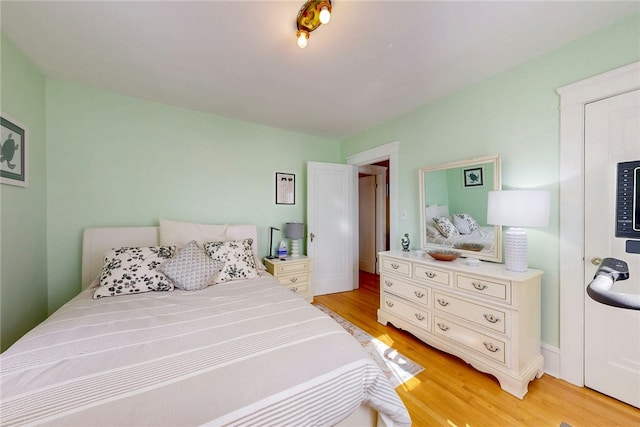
497, 185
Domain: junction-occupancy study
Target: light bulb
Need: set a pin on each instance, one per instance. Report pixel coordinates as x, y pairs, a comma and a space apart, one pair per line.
325, 15
302, 39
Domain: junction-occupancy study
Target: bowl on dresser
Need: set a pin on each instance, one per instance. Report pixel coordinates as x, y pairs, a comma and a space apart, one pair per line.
443, 254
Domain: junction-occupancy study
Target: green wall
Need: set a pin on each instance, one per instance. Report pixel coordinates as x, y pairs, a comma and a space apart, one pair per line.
116, 161
23, 235
101, 159
514, 114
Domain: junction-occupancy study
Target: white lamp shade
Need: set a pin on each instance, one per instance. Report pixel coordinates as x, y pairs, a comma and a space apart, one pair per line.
519, 208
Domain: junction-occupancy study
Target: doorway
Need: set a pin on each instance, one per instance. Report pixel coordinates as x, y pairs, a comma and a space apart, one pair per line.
386, 154
373, 214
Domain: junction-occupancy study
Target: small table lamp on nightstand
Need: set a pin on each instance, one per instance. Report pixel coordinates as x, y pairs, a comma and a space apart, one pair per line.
295, 232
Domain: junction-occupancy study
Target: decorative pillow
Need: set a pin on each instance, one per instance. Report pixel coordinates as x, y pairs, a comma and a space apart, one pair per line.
191, 269
180, 233
431, 212
465, 223
446, 227
432, 231
238, 259
133, 271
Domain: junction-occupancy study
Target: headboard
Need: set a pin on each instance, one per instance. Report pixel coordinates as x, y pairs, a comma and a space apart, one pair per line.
97, 240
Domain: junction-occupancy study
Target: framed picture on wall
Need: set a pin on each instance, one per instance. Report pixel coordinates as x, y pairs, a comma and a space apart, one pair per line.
473, 177
13, 152
285, 188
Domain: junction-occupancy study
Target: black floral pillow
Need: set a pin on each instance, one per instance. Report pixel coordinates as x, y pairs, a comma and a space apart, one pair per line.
237, 256
446, 227
133, 271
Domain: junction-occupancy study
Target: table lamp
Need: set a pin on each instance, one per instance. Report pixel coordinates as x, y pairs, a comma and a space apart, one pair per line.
516, 209
271, 242
295, 232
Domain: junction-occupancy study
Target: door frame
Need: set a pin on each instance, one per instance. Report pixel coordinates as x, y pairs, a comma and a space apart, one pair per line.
383, 152
573, 99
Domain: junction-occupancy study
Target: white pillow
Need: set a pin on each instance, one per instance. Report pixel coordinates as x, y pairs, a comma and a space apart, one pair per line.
465, 223
179, 233
432, 231
446, 227
431, 212
133, 270
191, 269
238, 259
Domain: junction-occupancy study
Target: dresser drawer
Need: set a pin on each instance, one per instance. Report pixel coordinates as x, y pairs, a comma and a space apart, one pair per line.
294, 279
407, 290
424, 272
487, 346
396, 266
479, 314
292, 267
498, 289
403, 309
300, 288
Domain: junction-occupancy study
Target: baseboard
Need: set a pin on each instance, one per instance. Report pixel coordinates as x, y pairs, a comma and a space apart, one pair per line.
551, 359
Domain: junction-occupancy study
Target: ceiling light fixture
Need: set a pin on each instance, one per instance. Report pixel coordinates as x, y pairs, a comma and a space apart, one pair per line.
312, 14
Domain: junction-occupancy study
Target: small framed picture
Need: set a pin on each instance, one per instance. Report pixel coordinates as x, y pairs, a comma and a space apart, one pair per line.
473, 177
13, 152
285, 188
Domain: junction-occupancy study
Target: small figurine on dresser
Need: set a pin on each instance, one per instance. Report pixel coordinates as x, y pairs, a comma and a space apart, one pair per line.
405, 242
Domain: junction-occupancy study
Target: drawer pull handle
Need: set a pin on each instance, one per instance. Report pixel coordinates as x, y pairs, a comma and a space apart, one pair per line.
418, 294
430, 274
389, 303
293, 279
491, 318
443, 327
479, 286
442, 302
395, 266
294, 290
419, 316
388, 282
491, 347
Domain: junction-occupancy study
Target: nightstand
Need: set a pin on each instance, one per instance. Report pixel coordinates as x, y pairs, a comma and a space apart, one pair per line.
294, 273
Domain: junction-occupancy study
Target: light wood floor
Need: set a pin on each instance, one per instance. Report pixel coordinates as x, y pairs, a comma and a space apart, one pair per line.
451, 393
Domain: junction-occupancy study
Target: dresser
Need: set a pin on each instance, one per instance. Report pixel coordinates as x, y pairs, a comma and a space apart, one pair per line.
294, 273
485, 315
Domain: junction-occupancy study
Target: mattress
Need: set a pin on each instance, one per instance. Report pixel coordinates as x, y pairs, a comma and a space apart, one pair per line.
246, 352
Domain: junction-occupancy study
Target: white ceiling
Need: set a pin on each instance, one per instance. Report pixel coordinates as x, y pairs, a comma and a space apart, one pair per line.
374, 61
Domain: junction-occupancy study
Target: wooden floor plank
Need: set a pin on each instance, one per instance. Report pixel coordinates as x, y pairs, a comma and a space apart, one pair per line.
451, 393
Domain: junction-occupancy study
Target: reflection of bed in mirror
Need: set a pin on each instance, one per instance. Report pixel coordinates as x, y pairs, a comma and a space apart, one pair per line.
480, 239
453, 197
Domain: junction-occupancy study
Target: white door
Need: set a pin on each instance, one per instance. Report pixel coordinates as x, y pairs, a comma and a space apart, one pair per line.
331, 221
612, 335
367, 223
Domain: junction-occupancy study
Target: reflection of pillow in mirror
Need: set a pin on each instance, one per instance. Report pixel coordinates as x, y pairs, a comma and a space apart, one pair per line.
443, 210
432, 231
464, 223
431, 212
446, 227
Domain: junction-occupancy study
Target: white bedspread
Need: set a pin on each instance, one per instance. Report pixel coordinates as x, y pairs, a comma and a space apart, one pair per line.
483, 235
241, 353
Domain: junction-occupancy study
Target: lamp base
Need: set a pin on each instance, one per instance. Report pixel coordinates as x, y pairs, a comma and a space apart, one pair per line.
295, 245
515, 250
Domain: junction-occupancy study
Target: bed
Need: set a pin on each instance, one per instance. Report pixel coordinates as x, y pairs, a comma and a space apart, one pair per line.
242, 352
458, 231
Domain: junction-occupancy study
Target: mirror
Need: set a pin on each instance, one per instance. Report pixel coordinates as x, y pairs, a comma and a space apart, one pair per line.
453, 201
